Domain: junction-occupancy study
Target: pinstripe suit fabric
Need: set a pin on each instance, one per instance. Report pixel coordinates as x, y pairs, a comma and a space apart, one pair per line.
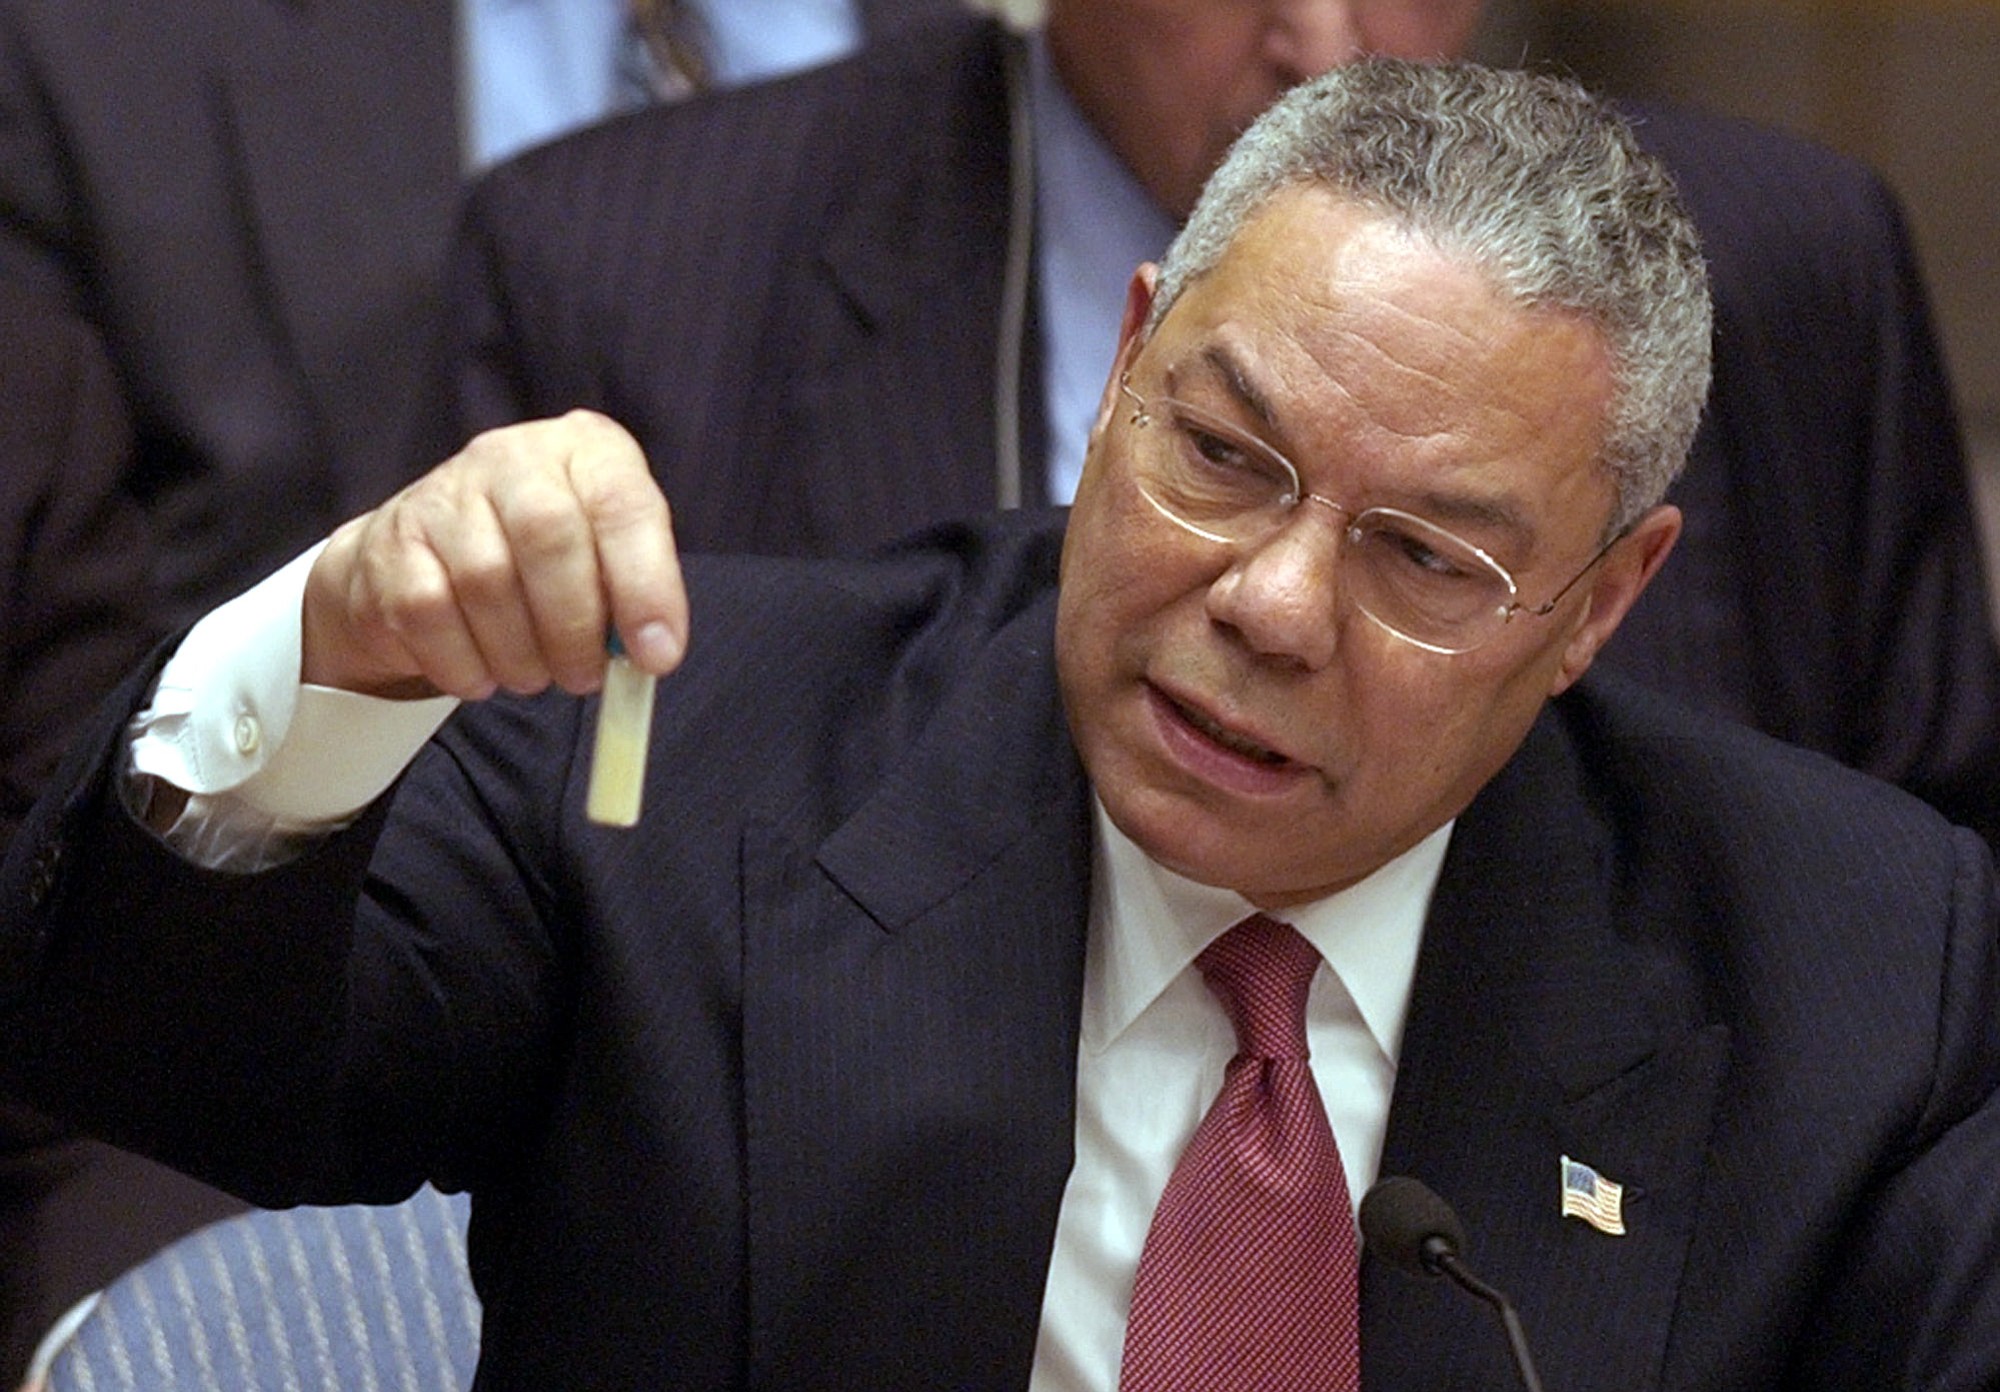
251, 200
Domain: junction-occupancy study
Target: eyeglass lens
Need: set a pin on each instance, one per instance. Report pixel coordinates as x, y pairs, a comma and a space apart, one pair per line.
1419, 581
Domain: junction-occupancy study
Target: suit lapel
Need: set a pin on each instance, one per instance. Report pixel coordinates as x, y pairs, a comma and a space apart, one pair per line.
346, 122
906, 290
911, 996
1543, 1025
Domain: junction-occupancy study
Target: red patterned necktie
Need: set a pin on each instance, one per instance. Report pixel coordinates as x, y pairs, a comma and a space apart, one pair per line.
1248, 1278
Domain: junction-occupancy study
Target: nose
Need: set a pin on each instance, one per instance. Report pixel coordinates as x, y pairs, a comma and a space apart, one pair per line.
1304, 38
1283, 596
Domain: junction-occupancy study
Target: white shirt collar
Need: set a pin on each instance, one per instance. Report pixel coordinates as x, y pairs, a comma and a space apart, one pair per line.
1147, 924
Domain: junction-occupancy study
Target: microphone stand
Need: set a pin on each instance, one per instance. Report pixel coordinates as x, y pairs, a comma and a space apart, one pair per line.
1439, 1256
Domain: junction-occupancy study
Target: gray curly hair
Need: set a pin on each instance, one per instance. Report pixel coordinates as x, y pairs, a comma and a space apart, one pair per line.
1531, 179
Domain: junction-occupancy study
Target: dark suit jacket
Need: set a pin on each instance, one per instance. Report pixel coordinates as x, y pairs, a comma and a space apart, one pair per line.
777, 1090
75, 611
790, 294
251, 199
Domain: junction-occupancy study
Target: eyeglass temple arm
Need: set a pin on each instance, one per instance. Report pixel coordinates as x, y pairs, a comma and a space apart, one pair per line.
1546, 608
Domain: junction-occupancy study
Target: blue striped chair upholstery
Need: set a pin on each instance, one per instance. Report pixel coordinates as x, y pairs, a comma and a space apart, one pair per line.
314, 1299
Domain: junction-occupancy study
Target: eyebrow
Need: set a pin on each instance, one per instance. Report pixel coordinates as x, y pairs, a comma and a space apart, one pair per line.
1236, 377
1455, 510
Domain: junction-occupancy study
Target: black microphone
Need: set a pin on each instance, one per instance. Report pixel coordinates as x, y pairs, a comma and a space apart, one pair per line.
1414, 1230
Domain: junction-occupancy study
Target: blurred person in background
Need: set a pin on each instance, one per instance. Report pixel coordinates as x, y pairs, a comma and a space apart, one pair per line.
76, 609
251, 200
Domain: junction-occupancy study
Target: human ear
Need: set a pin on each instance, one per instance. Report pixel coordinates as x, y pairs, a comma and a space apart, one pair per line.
1615, 585
1131, 337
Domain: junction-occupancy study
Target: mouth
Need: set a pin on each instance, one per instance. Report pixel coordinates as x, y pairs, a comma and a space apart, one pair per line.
1231, 740
1219, 750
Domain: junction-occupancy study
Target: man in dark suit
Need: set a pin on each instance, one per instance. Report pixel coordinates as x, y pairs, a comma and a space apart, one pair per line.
76, 609
861, 1061
251, 201
798, 298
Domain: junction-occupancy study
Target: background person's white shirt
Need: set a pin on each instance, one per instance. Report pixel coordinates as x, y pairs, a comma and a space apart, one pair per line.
1095, 224
537, 69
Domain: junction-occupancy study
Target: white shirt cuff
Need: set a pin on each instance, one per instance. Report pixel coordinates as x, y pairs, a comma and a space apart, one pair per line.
230, 716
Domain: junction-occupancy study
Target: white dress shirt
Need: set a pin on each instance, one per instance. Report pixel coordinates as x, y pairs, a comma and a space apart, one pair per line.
267, 761
1153, 1047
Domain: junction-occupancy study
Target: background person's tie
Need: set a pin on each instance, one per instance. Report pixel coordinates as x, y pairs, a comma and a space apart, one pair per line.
1247, 1282
665, 54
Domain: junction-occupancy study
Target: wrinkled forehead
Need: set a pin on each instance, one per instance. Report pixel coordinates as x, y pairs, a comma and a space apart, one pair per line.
1312, 270
1308, 224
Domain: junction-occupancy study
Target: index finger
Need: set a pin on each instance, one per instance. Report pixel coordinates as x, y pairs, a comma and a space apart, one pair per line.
638, 562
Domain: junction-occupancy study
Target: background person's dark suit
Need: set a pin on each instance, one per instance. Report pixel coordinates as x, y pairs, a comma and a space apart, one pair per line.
75, 612
777, 1090
252, 200
791, 294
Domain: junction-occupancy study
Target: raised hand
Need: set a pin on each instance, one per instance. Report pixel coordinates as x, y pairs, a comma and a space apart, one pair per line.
501, 569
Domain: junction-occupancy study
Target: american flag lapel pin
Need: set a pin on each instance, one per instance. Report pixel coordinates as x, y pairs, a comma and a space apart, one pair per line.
1588, 1195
